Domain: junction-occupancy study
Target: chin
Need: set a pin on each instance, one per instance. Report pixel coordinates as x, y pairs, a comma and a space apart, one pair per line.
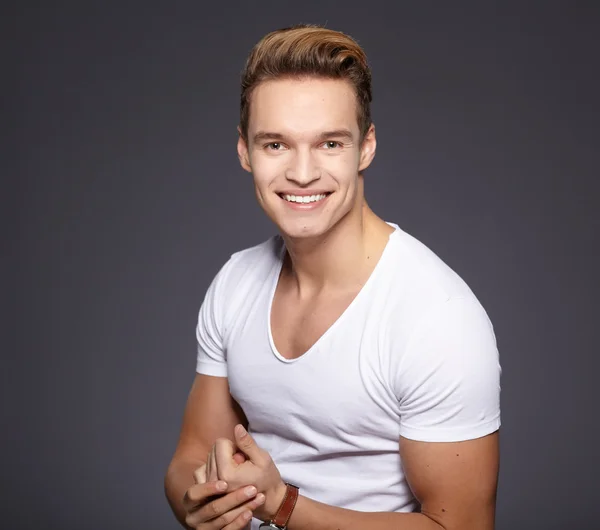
304, 225
301, 232
304, 229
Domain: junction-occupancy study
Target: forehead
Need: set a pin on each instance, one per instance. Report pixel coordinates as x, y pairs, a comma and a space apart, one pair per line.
303, 106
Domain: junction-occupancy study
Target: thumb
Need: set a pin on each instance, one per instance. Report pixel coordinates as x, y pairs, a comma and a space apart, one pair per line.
246, 443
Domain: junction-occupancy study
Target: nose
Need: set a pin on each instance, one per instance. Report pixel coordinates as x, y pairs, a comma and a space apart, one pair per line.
303, 169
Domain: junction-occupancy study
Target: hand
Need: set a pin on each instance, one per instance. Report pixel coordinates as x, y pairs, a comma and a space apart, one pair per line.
258, 469
208, 507
211, 465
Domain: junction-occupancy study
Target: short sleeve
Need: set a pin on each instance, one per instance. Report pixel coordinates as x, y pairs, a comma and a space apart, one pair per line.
211, 359
448, 382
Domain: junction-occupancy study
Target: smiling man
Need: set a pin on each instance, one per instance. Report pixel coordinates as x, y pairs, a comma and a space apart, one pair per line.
346, 377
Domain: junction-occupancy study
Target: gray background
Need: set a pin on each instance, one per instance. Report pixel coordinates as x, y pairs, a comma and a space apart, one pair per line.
125, 197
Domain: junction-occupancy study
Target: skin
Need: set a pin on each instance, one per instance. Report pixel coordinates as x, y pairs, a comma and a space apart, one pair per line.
331, 252
324, 246
454, 482
210, 414
287, 148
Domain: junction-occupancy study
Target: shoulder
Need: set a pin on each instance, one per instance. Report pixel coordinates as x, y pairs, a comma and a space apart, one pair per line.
249, 264
430, 276
443, 358
422, 295
418, 283
230, 291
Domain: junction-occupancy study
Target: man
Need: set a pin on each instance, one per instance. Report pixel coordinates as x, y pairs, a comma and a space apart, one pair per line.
364, 368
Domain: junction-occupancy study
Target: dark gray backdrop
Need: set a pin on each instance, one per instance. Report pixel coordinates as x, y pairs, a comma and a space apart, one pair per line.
130, 197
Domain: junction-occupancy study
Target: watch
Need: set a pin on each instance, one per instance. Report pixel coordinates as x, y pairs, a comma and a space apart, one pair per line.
284, 513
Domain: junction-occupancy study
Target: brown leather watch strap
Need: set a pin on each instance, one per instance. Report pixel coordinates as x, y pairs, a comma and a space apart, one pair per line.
284, 513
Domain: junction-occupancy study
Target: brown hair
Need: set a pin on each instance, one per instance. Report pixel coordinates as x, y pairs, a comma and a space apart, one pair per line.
303, 51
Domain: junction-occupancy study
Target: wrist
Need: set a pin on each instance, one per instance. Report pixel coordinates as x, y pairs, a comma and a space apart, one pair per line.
273, 500
283, 514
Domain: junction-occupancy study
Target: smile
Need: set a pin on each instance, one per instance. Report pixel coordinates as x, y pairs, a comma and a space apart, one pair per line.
304, 199
304, 202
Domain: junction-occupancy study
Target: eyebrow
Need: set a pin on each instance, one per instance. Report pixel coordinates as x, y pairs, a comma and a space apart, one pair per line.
337, 133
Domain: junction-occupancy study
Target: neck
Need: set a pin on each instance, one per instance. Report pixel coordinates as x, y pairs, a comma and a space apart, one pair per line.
341, 259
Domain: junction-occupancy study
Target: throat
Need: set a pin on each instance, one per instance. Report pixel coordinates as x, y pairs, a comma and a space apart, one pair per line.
339, 261
297, 325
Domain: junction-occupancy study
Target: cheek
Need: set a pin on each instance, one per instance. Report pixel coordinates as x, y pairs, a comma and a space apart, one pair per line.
344, 169
266, 171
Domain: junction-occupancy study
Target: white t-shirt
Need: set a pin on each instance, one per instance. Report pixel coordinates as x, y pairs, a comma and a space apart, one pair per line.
414, 355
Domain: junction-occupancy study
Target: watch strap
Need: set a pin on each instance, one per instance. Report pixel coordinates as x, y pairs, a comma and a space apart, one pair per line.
286, 508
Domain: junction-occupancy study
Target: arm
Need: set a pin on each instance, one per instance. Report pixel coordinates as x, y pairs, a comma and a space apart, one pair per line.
455, 482
210, 413
448, 392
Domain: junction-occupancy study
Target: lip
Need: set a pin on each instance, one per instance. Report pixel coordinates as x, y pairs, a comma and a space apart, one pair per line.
305, 206
303, 192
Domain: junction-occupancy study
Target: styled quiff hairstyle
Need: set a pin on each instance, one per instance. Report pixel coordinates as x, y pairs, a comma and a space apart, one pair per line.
308, 50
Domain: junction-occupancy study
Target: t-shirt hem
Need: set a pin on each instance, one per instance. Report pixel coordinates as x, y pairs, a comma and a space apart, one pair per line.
458, 434
216, 370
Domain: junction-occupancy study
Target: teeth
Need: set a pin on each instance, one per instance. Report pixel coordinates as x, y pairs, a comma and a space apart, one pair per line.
304, 198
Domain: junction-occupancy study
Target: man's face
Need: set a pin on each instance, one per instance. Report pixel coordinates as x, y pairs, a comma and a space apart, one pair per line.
304, 153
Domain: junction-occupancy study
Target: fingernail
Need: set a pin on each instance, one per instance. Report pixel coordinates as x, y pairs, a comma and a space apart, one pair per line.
240, 431
260, 498
221, 486
250, 491
247, 515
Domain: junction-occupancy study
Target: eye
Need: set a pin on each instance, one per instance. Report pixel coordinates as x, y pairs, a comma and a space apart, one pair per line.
274, 146
331, 144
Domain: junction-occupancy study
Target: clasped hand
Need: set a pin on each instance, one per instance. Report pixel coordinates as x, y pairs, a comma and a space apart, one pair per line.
238, 480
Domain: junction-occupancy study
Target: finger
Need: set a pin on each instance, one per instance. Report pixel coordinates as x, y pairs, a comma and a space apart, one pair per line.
238, 517
235, 519
241, 522
224, 452
214, 473
246, 443
239, 458
200, 474
199, 494
211, 471
208, 465
223, 511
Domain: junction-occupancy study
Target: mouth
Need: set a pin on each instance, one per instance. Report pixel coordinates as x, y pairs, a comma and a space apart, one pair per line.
304, 201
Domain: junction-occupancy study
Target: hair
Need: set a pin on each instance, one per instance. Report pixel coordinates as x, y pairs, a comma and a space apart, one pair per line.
308, 50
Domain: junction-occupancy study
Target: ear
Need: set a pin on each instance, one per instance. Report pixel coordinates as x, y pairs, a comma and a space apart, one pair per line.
242, 150
367, 149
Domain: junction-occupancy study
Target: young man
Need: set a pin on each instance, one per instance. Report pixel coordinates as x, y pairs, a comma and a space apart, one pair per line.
364, 369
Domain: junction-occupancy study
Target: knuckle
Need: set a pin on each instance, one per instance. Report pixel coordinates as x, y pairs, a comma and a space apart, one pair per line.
192, 494
225, 519
188, 497
213, 508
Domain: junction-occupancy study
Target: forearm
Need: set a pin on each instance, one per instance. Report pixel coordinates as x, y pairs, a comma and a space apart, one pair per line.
312, 515
178, 479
